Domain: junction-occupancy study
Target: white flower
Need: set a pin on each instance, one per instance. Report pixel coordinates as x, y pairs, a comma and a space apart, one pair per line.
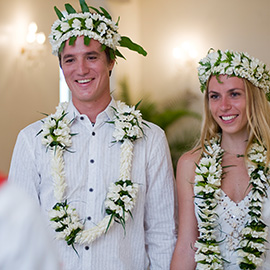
110, 204
64, 26
89, 23
76, 24
102, 28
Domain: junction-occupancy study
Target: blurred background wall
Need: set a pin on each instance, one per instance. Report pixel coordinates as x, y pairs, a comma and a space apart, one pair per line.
175, 33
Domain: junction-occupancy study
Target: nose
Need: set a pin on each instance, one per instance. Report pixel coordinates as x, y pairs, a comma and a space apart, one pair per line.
82, 68
225, 104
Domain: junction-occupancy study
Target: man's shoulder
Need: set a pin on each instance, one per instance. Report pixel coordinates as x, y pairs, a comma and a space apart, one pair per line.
32, 128
152, 129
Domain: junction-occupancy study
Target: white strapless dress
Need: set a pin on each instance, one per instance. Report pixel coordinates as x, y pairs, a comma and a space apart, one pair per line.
232, 218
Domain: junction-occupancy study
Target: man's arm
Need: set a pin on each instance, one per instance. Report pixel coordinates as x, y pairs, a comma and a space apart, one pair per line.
23, 170
160, 228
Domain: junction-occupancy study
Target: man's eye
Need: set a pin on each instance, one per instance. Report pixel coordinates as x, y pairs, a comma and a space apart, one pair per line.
69, 60
92, 57
213, 96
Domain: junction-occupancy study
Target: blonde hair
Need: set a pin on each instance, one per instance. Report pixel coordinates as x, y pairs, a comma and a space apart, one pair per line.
258, 115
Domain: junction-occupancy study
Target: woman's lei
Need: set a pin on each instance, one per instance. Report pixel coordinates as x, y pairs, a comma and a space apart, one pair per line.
207, 190
122, 194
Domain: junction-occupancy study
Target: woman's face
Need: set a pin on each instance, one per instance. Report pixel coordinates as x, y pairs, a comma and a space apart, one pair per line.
227, 103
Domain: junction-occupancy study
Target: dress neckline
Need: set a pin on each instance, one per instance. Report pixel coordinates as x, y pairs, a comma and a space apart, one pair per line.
236, 203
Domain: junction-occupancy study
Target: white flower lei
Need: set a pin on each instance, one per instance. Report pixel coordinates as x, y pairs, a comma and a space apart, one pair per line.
122, 194
234, 64
207, 190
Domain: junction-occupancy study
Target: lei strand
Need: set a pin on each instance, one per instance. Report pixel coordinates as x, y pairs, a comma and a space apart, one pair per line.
207, 190
122, 194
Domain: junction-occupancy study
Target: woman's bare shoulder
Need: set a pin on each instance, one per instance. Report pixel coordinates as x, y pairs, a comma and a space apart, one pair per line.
187, 164
190, 157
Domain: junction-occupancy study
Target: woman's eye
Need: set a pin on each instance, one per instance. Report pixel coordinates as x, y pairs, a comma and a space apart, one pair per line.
235, 94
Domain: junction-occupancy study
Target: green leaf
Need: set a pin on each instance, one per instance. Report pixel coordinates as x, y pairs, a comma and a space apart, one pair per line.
87, 40
84, 6
109, 223
118, 20
96, 10
112, 54
39, 132
137, 105
268, 96
58, 13
70, 9
103, 47
128, 43
72, 41
106, 13
117, 53
62, 47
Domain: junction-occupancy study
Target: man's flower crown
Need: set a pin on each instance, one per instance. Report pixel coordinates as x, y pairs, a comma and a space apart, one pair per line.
98, 25
234, 64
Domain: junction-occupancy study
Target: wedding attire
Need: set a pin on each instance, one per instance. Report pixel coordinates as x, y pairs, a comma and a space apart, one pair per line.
90, 166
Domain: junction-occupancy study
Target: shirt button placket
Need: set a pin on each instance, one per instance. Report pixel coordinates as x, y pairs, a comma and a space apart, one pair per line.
90, 189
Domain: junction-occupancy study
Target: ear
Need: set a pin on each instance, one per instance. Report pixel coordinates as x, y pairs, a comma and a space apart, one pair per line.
111, 65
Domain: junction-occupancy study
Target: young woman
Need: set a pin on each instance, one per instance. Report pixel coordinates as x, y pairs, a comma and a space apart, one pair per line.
223, 184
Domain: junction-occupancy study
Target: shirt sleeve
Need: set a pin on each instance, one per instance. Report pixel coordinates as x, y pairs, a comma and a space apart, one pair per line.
160, 205
23, 168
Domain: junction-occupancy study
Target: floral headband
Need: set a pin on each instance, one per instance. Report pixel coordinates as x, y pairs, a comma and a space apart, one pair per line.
98, 26
234, 64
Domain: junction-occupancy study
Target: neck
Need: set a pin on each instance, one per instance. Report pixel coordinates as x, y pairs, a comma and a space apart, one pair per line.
91, 109
235, 145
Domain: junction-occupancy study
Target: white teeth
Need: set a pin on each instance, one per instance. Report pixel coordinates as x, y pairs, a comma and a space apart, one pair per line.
226, 118
84, 81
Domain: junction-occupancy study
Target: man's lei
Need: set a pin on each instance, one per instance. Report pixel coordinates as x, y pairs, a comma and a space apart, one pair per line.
122, 194
207, 190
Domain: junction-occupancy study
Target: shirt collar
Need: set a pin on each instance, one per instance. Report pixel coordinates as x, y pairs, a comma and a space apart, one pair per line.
107, 114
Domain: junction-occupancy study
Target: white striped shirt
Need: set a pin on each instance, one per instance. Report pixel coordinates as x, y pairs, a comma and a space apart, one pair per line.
150, 236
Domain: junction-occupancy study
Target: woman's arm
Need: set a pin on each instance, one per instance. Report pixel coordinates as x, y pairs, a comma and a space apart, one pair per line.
183, 257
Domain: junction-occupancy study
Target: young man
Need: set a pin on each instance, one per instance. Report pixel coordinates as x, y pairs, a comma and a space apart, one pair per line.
105, 172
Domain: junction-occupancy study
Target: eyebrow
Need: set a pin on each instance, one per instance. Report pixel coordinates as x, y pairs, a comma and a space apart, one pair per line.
86, 54
230, 90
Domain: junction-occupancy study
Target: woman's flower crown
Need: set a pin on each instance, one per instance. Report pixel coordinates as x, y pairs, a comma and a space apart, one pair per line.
98, 25
234, 64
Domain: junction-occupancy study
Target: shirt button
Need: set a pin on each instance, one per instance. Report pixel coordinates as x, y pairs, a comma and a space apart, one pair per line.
93, 133
86, 248
89, 218
82, 118
92, 161
91, 189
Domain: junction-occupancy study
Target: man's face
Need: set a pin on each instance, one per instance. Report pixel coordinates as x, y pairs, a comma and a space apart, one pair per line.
86, 70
